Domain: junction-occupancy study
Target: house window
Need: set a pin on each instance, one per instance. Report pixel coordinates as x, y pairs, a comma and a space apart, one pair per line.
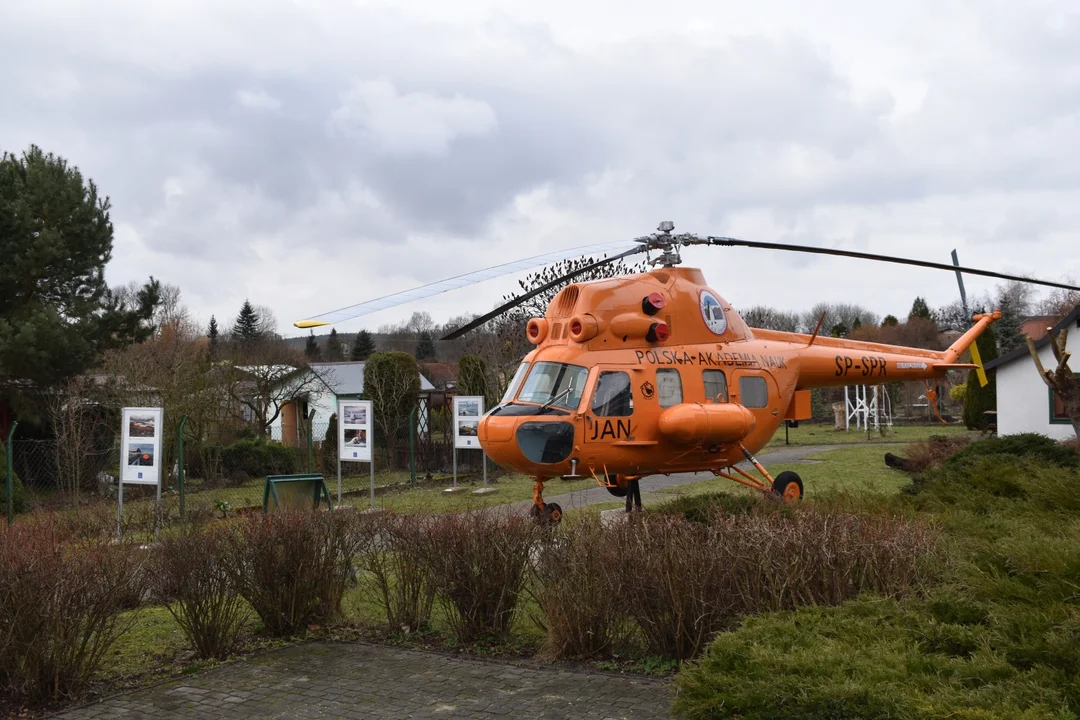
1058, 416
669, 387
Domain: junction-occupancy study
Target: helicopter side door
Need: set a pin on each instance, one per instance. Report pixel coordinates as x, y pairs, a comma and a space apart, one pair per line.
610, 407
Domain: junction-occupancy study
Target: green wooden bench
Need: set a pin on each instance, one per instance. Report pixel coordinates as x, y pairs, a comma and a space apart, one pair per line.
295, 492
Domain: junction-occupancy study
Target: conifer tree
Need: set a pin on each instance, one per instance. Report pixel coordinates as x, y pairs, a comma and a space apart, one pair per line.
334, 351
57, 314
425, 346
363, 346
978, 399
247, 323
212, 331
311, 348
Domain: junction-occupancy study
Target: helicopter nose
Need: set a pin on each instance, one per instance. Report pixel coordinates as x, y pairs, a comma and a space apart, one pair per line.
526, 444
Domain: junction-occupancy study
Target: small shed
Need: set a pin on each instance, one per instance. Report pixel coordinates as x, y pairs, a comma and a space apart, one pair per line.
339, 380
1024, 402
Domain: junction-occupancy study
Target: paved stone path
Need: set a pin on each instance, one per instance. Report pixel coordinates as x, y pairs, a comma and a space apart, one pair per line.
360, 680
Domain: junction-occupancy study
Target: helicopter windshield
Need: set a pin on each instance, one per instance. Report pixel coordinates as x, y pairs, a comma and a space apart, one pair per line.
558, 383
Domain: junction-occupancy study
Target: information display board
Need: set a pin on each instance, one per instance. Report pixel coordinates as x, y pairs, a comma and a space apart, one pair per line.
355, 437
140, 447
468, 410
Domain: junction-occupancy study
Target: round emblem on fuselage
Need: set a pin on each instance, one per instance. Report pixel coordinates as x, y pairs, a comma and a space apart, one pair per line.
712, 313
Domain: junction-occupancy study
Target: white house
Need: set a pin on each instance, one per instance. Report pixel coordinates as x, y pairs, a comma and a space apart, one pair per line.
336, 380
1024, 402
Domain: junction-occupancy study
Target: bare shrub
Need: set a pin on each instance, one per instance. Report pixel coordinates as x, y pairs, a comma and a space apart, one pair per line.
939, 448
60, 607
682, 581
293, 566
190, 576
675, 583
815, 557
401, 575
579, 590
479, 564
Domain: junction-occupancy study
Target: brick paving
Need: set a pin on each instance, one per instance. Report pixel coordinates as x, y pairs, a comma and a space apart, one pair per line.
361, 680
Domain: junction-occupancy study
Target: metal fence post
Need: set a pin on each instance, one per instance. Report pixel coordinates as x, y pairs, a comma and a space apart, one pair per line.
10, 475
310, 456
180, 462
412, 444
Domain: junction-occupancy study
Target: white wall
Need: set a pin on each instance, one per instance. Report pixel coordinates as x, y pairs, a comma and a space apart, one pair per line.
323, 403
1022, 399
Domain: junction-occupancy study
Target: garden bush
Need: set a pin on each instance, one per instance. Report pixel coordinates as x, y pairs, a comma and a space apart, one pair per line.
190, 575
687, 580
479, 564
578, 587
402, 577
293, 566
258, 458
60, 607
996, 637
1025, 445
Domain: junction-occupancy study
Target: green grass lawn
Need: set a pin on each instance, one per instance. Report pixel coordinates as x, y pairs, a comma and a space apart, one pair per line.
851, 470
825, 434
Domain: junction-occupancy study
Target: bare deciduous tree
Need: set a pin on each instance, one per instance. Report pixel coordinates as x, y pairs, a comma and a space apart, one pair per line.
1061, 380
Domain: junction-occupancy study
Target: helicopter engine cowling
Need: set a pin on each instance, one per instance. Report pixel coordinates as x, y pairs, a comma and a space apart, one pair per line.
691, 423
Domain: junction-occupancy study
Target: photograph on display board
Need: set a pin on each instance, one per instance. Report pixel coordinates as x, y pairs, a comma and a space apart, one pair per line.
141, 426
469, 408
140, 454
354, 414
469, 427
356, 438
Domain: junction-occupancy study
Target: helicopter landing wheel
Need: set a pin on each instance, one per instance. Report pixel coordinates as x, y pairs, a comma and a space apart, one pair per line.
551, 514
788, 485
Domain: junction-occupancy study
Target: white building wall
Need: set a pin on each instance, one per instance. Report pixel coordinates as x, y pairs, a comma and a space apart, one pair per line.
1023, 402
324, 404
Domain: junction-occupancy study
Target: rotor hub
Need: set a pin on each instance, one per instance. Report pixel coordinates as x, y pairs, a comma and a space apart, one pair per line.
666, 243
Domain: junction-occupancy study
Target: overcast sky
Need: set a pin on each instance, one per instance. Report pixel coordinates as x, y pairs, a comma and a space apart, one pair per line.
312, 154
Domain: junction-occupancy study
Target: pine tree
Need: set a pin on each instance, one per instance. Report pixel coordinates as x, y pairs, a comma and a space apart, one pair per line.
1008, 328
890, 321
978, 399
212, 331
919, 309
247, 323
58, 316
334, 351
311, 349
363, 346
425, 346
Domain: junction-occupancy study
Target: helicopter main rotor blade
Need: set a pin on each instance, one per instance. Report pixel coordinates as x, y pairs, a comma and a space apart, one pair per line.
735, 242
514, 302
459, 281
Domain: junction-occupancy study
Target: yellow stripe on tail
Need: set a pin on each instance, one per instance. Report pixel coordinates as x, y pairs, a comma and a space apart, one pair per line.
978, 361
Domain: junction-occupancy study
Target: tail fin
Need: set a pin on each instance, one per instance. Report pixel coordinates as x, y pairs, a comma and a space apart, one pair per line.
967, 340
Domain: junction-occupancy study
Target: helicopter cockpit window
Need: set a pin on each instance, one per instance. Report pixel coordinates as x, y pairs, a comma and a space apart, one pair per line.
715, 386
668, 387
515, 383
559, 384
614, 396
753, 391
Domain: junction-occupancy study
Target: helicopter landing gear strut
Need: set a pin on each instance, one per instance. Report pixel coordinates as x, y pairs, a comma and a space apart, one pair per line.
787, 485
544, 513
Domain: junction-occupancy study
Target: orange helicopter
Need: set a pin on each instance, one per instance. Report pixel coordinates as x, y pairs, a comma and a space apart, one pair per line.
654, 373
